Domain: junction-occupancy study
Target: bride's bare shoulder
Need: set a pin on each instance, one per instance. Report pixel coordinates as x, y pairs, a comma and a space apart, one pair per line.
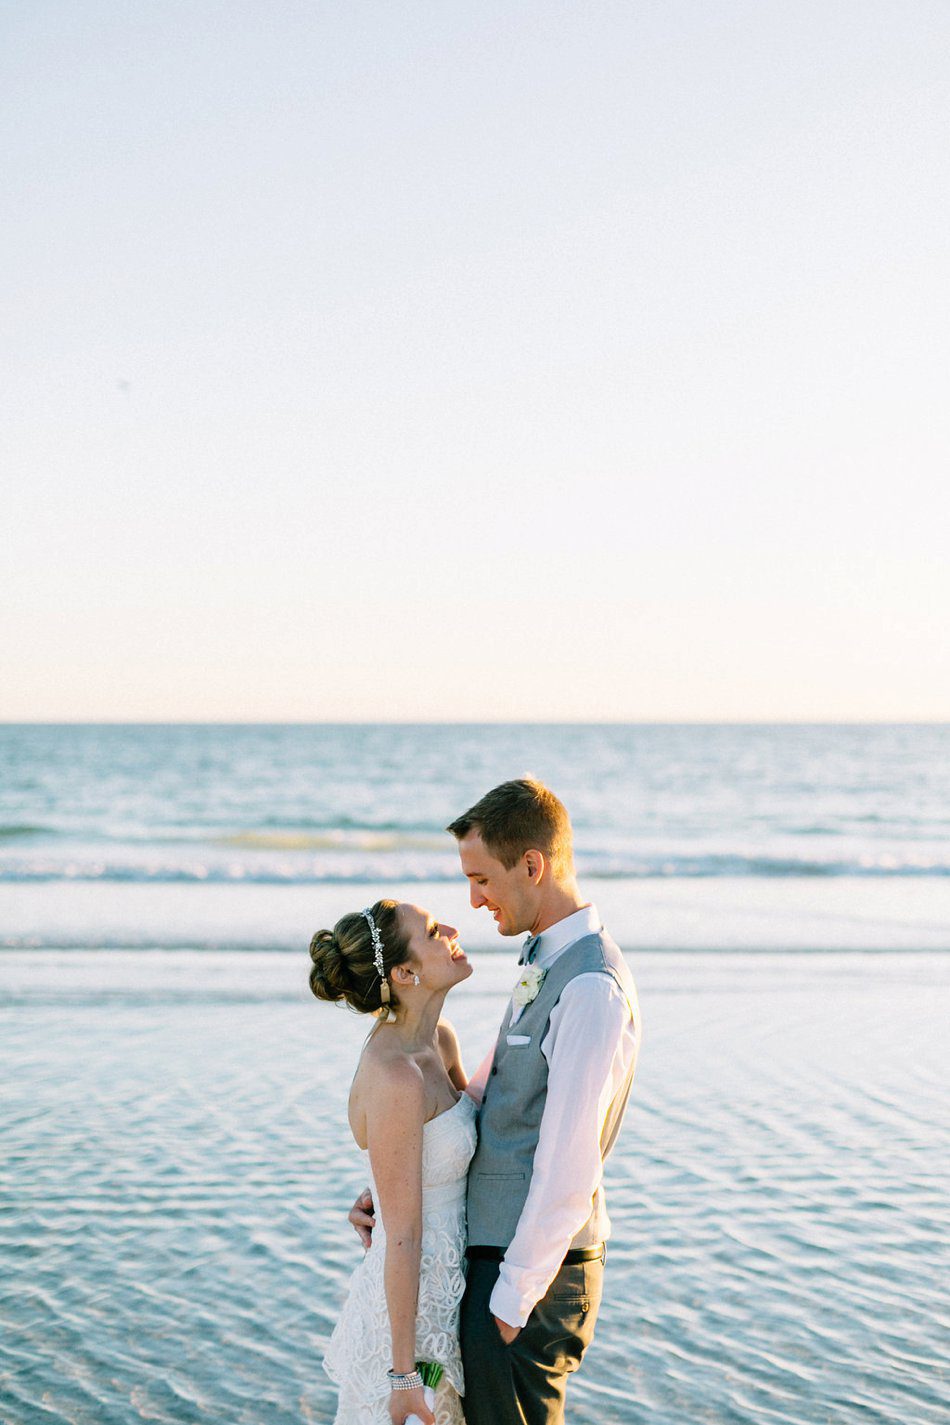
386, 1068
387, 1084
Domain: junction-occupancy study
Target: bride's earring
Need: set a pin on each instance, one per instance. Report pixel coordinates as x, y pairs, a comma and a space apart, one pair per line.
416, 980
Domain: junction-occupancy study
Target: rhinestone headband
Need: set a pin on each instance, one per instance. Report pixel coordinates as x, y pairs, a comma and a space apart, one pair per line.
377, 955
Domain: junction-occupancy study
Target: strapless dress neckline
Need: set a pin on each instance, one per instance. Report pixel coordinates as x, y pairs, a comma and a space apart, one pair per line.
446, 1112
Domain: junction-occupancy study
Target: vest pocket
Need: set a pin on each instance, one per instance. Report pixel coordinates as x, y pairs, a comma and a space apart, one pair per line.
499, 1177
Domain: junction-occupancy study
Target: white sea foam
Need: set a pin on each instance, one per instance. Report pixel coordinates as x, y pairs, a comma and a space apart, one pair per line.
710, 914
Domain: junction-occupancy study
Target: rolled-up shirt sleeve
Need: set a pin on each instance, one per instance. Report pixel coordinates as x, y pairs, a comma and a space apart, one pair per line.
584, 1049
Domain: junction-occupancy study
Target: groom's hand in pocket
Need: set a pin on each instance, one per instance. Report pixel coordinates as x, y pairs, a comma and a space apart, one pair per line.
506, 1332
362, 1216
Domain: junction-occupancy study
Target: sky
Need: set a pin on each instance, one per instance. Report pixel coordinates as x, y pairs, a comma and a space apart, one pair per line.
474, 361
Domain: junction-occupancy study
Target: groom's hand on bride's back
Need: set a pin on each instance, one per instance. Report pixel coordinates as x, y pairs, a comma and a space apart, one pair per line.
362, 1216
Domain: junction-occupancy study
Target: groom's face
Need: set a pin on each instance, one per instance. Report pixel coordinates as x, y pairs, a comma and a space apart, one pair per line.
507, 894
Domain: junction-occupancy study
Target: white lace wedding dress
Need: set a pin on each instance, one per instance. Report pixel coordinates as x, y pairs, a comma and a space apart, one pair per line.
360, 1350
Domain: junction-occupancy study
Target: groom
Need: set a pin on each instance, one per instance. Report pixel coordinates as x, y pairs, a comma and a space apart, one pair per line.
553, 1094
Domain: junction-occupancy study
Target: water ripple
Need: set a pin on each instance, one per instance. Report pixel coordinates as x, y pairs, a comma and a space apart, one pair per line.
174, 1181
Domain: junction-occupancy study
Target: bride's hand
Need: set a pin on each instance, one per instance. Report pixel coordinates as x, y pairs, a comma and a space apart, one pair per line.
362, 1217
403, 1403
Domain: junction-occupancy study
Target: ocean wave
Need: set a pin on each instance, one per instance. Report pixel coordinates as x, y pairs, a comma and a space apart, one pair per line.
218, 875
760, 867
398, 826
371, 869
334, 839
269, 836
82, 941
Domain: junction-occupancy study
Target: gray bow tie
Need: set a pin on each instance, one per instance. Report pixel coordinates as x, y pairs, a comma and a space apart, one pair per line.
528, 950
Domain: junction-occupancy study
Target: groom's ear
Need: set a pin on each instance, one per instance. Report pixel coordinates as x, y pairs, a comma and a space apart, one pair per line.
534, 864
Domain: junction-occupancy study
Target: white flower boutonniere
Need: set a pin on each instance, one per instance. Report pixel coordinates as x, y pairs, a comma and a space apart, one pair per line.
532, 978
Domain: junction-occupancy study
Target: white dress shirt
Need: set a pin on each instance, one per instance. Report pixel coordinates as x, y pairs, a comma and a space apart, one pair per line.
591, 1042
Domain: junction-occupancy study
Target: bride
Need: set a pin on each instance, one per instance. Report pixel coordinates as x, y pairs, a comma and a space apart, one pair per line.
413, 1121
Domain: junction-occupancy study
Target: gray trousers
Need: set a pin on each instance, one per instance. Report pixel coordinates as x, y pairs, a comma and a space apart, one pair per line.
525, 1383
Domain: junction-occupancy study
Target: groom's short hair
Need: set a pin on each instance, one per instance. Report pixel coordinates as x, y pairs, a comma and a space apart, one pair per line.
519, 816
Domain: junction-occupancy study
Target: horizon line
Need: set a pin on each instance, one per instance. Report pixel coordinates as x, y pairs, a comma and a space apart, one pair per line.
477, 722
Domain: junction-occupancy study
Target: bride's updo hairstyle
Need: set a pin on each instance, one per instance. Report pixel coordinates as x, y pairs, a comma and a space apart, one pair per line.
344, 965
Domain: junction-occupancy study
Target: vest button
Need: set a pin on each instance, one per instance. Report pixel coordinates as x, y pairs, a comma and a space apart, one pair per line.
494, 1069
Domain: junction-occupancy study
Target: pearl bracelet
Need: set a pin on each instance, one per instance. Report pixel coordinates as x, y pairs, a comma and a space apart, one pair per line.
412, 1380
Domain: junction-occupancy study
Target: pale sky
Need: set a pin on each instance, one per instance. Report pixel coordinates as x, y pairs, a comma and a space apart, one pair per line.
474, 361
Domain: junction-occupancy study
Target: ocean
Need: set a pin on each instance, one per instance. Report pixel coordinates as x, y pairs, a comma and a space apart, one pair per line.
175, 1162
701, 837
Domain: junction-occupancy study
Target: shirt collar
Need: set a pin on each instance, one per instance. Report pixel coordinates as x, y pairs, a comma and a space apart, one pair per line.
563, 933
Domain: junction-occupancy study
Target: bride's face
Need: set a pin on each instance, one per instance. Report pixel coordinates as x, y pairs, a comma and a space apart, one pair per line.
439, 959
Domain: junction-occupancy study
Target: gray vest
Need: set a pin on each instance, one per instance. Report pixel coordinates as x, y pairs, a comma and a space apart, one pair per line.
509, 1120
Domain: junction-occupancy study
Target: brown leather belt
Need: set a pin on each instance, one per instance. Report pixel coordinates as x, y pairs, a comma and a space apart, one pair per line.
576, 1254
